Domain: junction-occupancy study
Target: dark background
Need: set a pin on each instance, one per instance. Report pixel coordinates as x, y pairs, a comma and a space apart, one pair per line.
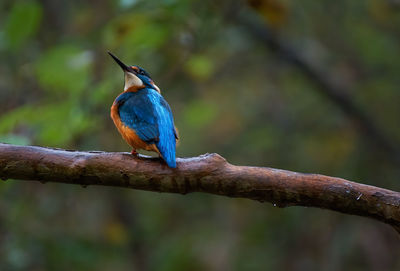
309, 86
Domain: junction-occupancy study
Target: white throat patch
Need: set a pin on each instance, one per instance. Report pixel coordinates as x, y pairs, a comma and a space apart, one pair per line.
132, 80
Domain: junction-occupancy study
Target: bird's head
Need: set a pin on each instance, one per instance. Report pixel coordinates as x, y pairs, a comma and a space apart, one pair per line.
135, 77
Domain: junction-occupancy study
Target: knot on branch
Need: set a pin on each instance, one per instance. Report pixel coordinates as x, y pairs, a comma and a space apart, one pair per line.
205, 162
214, 158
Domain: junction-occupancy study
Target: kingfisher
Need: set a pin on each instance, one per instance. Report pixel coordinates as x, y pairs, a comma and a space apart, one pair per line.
142, 116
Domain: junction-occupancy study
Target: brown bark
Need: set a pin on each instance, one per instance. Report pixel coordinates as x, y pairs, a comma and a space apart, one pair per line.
209, 173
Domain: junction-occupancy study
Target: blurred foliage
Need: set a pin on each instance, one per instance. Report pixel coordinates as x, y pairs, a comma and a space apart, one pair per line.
230, 95
23, 22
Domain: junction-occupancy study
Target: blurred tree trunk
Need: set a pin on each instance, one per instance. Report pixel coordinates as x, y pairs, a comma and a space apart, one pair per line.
327, 83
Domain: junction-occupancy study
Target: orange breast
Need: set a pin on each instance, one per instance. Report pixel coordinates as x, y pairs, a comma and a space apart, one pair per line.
129, 134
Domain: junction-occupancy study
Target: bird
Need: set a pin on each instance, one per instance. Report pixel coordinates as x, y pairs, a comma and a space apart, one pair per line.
142, 116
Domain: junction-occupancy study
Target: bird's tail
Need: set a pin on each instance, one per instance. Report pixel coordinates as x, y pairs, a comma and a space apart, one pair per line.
171, 161
167, 150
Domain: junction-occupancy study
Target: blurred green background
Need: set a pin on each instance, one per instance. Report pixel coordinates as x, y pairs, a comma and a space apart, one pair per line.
230, 94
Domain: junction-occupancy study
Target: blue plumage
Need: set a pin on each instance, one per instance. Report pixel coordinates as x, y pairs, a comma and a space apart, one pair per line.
149, 115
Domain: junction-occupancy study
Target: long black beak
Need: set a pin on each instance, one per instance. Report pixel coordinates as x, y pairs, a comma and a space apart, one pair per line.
120, 63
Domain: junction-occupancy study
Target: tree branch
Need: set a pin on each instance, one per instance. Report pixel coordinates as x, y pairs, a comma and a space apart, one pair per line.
209, 173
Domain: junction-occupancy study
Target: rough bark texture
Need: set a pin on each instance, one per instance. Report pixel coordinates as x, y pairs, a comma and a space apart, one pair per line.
209, 173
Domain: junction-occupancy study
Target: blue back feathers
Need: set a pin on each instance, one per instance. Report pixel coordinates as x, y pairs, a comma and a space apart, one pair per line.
149, 115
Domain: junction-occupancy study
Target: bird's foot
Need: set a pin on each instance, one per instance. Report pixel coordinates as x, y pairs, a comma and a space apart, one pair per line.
134, 152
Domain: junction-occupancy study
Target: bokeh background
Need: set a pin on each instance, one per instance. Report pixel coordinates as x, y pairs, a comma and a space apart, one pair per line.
309, 86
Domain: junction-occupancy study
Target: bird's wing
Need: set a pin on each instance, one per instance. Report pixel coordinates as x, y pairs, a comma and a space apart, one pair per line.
167, 139
138, 113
